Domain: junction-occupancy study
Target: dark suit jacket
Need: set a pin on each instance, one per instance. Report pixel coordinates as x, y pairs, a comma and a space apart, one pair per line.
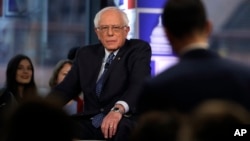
200, 75
8, 102
122, 82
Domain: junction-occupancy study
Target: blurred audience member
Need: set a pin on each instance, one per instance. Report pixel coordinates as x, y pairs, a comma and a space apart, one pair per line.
217, 120
200, 74
60, 71
19, 85
156, 126
20, 77
39, 120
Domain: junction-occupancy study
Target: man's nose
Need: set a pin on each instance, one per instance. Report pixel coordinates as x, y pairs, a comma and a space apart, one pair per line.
110, 31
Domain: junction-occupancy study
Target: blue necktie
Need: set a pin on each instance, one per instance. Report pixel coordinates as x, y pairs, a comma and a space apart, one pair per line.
97, 119
99, 83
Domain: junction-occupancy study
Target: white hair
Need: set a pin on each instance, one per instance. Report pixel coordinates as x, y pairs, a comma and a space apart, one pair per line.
98, 15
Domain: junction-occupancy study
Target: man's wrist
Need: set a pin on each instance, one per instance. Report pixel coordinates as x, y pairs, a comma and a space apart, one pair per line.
123, 105
117, 109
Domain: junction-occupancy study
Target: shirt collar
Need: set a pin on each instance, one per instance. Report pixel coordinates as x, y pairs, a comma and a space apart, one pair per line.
198, 45
107, 53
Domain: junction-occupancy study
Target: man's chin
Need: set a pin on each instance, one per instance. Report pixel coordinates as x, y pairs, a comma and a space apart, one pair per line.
112, 48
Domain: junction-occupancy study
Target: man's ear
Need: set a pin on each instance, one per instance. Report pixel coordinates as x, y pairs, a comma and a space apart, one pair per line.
208, 27
168, 34
127, 30
97, 33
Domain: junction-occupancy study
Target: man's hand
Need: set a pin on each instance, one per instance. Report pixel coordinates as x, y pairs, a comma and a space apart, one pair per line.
110, 123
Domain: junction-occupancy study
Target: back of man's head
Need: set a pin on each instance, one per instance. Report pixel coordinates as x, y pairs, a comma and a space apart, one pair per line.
182, 17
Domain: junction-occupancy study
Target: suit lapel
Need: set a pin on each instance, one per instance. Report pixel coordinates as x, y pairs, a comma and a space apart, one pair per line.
97, 60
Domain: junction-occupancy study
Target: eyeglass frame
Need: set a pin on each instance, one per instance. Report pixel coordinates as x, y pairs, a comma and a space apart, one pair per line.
114, 28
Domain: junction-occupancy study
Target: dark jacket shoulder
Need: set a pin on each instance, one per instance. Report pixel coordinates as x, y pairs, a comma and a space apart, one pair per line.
137, 41
7, 100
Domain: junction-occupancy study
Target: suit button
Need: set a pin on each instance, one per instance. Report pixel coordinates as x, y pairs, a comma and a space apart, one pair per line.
101, 109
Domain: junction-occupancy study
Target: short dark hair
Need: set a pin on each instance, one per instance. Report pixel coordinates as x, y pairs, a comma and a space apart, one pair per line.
181, 17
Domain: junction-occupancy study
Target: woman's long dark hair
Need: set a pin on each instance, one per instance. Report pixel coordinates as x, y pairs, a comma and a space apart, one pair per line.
11, 83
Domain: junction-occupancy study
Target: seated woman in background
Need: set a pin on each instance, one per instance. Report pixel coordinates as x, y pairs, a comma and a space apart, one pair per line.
20, 80
60, 71
19, 85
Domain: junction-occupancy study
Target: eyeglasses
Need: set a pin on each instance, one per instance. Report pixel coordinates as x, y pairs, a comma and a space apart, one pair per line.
114, 28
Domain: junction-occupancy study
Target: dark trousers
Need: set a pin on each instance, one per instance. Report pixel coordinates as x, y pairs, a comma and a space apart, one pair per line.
86, 131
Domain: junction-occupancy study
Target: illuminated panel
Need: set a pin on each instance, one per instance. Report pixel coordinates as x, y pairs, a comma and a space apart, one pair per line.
145, 23
149, 28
